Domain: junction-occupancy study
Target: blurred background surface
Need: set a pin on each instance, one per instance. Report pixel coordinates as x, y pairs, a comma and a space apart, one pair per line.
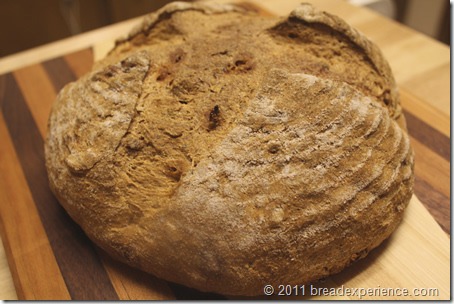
25, 24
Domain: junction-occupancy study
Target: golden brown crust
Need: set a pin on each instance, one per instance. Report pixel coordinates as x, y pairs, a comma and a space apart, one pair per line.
310, 26
225, 151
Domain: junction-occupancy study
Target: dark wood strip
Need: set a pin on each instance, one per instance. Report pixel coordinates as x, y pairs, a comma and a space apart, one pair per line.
437, 203
428, 136
185, 293
81, 268
59, 72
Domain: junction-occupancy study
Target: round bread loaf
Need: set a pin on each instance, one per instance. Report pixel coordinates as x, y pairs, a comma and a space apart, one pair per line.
225, 150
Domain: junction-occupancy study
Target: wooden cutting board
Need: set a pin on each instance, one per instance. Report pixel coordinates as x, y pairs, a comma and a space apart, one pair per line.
51, 258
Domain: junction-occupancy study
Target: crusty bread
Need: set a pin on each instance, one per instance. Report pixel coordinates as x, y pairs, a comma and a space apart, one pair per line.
225, 150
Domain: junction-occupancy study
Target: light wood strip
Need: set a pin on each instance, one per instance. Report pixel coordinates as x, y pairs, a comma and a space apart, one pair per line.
8, 292
424, 111
405, 67
28, 248
80, 62
433, 83
396, 41
418, 238
102, 48
38, 92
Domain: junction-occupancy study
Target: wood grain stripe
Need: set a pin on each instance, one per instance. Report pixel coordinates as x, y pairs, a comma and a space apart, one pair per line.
428, 136
28, 249
432, 183
80, 62
431, 167
425, 112
59, 73
73, 251
38, 92
437, 204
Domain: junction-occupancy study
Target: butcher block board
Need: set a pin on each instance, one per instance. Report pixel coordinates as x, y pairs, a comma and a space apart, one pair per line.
51, 258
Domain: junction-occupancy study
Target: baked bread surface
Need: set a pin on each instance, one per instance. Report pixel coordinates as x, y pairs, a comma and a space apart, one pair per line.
224, 150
